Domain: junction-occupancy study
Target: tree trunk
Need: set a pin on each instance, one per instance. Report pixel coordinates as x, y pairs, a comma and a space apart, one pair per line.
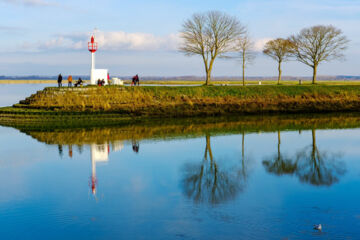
207, 78
314, 74
243, 68
279, 77
208, 73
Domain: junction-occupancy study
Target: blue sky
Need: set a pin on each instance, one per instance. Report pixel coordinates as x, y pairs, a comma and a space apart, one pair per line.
46, 37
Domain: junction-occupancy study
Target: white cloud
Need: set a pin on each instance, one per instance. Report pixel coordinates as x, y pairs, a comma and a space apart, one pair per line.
260, 43
117, 41
31, 3
108, 41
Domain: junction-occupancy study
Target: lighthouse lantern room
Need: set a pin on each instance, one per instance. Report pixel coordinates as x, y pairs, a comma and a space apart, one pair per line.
96, 74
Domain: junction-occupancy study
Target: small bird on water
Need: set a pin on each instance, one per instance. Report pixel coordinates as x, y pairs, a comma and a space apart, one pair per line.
318, 227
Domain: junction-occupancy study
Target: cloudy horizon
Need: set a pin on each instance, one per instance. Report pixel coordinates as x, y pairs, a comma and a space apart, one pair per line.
44, 37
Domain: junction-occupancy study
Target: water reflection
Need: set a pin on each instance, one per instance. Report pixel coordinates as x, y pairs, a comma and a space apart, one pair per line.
279, 164
60, 149
100, 154
187, 178
310, 165
135, 146
212, 181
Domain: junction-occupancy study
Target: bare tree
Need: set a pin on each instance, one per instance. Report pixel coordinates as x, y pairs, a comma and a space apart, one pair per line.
280, 50
211, 35
244, 48
318, 44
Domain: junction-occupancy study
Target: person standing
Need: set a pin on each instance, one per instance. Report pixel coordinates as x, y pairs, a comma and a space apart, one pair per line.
133, 80
137, 79
59, 80
70, 81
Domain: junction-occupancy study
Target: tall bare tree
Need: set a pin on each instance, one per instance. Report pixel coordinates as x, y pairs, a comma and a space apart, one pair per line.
280, 50
245, 53
318, 44
210, 35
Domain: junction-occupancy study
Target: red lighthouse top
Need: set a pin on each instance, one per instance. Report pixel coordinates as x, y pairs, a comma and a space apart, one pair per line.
92, 45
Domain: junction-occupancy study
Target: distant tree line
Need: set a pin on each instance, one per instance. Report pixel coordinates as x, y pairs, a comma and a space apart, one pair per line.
216, 34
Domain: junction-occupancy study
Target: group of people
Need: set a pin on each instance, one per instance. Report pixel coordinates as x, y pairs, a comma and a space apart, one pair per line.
100, 82
78, 83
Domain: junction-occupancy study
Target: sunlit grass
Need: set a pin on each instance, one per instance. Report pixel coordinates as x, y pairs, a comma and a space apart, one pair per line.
195, 100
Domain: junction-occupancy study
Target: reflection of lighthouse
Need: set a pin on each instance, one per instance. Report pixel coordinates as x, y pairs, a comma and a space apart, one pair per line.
100, 153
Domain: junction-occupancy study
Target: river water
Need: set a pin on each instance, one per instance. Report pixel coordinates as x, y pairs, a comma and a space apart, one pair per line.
216, 180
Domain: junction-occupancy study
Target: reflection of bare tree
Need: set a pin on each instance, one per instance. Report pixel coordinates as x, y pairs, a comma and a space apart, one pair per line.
210, 182
310, 165
318, 168
280, 164
243, 171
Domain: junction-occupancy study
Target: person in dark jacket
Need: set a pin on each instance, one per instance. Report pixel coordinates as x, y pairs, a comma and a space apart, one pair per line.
79, 82
135, 80
59, 80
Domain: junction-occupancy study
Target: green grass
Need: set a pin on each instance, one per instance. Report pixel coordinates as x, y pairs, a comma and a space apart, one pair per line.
182, 101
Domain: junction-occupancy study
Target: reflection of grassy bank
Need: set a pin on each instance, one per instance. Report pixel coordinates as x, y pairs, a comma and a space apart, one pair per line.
190, 101
189, 128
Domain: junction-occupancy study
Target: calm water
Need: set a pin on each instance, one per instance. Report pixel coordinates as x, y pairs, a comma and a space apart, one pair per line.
13, 93
182, 182
229, 186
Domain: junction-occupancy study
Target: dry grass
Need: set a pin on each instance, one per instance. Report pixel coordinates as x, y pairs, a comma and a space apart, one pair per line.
190, 101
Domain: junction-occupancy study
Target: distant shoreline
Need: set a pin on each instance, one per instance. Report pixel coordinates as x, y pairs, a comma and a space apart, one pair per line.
35, 81
193, 82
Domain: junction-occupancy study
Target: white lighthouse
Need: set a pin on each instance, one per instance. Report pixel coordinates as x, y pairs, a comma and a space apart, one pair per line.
96, 74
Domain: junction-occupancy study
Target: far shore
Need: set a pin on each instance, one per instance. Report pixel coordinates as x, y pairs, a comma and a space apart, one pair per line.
195, 82
31, 81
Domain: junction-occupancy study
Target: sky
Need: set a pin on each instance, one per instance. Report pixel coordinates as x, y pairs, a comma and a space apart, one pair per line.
46, 37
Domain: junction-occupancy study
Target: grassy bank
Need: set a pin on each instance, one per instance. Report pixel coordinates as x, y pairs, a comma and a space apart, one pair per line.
136, 102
